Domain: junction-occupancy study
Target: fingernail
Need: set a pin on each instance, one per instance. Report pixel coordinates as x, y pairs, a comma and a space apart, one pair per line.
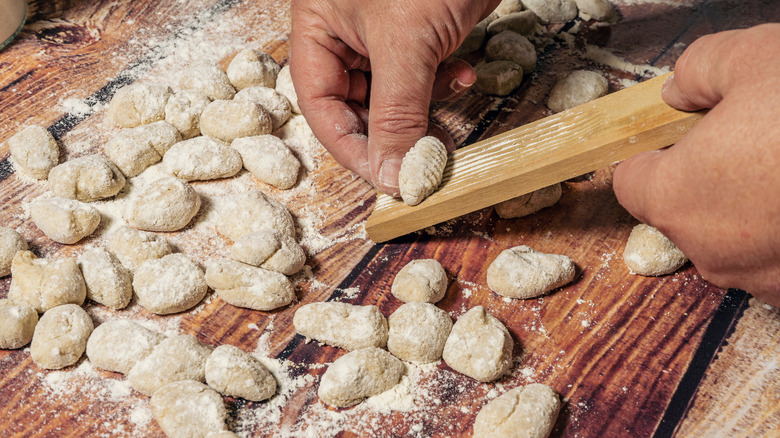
458, 87
667, 83
388, 175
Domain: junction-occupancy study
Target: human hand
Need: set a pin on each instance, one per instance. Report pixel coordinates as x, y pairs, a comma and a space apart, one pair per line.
402, 43
716, 193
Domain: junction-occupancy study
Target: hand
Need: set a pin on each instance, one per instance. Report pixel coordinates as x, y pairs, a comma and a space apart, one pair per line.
716, 193
402, 43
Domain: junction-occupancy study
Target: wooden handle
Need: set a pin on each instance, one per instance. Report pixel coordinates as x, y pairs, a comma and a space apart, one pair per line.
538, 154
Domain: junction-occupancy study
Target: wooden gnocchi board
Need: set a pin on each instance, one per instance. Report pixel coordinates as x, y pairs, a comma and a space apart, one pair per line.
631, 356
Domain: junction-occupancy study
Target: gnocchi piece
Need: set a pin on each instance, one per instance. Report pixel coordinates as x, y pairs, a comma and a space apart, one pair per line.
479, 346
270, 250
252, 211
119, 344
284, 86
108, 282
170, 284
556, 11
359, 374
86, 179
527, 411
522, 272
228, 120
498, 77
11, 242
269, 160
233, 372
208, 79
202, 158
17, 324
34, 151
249, 286
189, 409
252, 68
530, 202
418, 332
183, 111
133, 150
649, 253
133, 247
513, 47
421, 280
45, 283
507, 7
177, 358
64, 220
166, 204
475, 38
421, 170
60, 337
599, 10
138, 104
523, 23
342, 325
278, 106
578, 87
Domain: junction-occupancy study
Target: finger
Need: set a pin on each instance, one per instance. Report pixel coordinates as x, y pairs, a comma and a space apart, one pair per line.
634, 181
453, 80
358, 86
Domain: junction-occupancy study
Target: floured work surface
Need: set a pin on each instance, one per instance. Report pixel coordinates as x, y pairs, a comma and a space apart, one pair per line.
617, 347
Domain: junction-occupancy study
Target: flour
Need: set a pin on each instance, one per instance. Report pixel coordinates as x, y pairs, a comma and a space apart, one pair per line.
605, 57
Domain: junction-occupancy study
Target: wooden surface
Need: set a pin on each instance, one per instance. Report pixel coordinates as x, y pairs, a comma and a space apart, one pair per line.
631, 356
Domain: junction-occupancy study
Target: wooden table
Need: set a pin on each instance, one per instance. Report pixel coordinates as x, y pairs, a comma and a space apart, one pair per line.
631, 356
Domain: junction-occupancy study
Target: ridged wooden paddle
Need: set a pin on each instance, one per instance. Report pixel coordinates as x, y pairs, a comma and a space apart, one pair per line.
538, 154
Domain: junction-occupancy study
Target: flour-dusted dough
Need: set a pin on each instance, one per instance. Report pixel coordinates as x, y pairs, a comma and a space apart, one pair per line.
60, 337
479, 346
253, 68
268, 159
11, 242
525, 412
209, 79
252, 211
359, 374
232, 371
420, 280
64, 220
183, 111
108, 282
523, 23
202, 158
249, 286
552, 11
278, 106
513, 47
270, 250
342, 325
34, 151
600, 10
46, 283
87, 179
138, 104
170, 284
418, 332
530, 202
221, 434
166, 204
507, 7
133, 247
117, 345
285, 87
649, 253
189, 409
576, 88
17, 324
228, 120
176, 358
133, 150
522, 272
422, 169
498, 77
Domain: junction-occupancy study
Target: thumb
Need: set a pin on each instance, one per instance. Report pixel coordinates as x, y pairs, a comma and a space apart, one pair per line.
635, 183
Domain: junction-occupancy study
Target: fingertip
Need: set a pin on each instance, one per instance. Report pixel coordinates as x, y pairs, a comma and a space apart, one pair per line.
453, 80
633, 182
386, 180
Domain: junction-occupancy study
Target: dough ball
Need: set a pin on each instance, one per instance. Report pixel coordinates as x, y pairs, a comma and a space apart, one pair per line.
479, 346
133, 150
170, 284
60, 337
45, 283
17, 324
578, 87
342, 325
231, 371
252, 68
119, 344
530, 202
285, 87
522, 272
221, 434
498, 77
649, 253
270, 250
174, 359
359, 374
11, 242
209, 79
167, 204
202, 158
420, 280
108, 282
64, 220
269, 160
552, 11
133, 247
138, 104
527, 411
86, 179
183, 111
189, 409
599, 10
418, 332
513, 47
474, 39
277, 106
34, 151
421, 170
228, 120
252, 211
507, 7
523, 23
249, 286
